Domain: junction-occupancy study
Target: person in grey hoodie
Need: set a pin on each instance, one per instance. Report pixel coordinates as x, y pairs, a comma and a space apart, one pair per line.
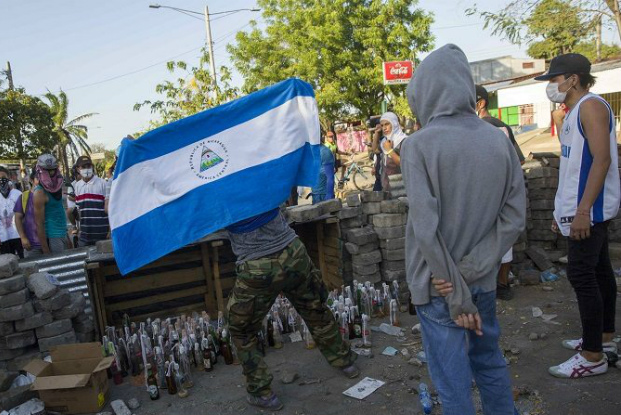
467, 208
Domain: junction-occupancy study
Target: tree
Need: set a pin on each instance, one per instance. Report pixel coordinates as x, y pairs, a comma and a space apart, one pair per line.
71, 136
589, 50
26, 127
510, 22
338, 46
101, 166
189, 94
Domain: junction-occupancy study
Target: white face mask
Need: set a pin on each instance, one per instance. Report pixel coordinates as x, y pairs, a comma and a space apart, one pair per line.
86, 173
554, 94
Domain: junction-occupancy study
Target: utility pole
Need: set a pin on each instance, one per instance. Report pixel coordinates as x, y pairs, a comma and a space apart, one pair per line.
212, 62
598, 38
9, 75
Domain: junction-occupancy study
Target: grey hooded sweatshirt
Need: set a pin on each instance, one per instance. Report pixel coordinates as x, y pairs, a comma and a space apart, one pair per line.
464, 184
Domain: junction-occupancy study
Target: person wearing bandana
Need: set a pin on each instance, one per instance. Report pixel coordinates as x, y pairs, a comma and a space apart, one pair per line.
48, 203
10, 243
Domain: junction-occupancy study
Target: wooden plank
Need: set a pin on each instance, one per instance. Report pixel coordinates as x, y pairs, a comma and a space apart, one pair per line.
331, 260
216, 278
333, 252
175, 258
228, 284
100, 282
331, 242
159, 298
210, 298
321, 254
169, 312
95, 294
227, 268
150, 282
332, 231
217, 243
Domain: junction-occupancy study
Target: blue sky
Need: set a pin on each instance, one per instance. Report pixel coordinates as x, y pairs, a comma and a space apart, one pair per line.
108, 55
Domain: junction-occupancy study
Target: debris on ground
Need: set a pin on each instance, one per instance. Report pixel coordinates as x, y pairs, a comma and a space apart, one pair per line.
364, 388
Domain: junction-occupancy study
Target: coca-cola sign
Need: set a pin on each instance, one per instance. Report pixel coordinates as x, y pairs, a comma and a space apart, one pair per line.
398, 72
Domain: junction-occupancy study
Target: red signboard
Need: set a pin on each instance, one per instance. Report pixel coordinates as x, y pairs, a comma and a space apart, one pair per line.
398, 72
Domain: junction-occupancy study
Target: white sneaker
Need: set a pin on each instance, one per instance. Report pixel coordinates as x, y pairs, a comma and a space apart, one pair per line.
579, 367
577, 345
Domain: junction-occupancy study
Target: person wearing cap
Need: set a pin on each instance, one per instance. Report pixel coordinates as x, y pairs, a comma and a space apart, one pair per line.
50, 216
503, 290
587, 198
90, 198
10, 242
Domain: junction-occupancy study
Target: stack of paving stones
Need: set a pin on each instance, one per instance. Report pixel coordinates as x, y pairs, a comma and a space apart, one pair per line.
390, 228
542, 185
36, 314
397, 188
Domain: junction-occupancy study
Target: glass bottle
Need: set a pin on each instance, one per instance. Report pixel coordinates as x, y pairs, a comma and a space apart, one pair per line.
198, 357
225, 347
270, 331
394, 313
207, 363
277, 336
154, 392
170, 379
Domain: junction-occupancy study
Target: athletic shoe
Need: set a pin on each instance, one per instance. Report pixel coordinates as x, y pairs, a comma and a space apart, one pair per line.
351, 371
577, 345
579, 367
504, 292
270, 402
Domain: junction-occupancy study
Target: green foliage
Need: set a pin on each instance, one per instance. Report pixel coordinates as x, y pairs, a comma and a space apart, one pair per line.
589, 50
193, 91
26, 127
101, 166
338, 46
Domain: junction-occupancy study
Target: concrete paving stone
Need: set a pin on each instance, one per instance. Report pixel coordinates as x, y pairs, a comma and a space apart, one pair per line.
59, 300
543, 183
8, 354
389, 220
542, 194
16, 396
47, 343
519, 257
541, 172
390, 233
389, 275
543, 244
85, 337
83, 326
542, 215
542, 204
397, 184
372, 278
361, 249
43, 285
541, 224
330, 206
397, 193
393, 254
26, 357
393, 265
362, 236
371, 208
304, 213
397, 243
76, 306
6, 328
104, 247
365, 269
520, 247
16, 298
353, 200
12, 284
28, 268
20, 340
541, 235
34, 321
6, 378
539, 257
371, 196
404, 200
395, 177
349, 212
54, 328
373, 257
352, 223
17, 312
393, 206
9, 265
530, 277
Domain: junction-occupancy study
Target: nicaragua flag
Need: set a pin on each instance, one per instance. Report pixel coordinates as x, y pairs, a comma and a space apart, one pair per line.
195, 176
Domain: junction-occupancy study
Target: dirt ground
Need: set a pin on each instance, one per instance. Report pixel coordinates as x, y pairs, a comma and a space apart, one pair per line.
318, 391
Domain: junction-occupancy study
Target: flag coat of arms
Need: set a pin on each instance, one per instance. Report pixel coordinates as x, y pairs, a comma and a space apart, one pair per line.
187, 179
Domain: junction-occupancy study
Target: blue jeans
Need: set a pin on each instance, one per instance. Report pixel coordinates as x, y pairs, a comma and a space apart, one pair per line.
456, 355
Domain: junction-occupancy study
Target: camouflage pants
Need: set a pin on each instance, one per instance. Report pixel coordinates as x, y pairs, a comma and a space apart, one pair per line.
257, 285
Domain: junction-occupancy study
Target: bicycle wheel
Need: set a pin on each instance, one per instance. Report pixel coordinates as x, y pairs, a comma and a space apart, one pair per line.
364, 179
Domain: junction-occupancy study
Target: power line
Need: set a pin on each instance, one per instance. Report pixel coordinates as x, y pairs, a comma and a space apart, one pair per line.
456, 26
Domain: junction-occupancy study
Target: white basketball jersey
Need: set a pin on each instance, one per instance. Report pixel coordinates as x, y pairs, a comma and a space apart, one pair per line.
576, 161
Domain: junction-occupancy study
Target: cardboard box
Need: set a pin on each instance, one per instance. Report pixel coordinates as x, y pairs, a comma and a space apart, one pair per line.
76, 381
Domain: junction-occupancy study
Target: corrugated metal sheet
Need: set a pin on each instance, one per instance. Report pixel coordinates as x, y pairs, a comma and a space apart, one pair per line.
68, 268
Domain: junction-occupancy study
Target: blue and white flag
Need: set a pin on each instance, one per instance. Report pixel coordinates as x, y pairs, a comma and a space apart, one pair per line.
190, 178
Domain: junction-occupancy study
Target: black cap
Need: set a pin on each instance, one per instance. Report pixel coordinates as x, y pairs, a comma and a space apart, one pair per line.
82, 160
570, 63
482, 94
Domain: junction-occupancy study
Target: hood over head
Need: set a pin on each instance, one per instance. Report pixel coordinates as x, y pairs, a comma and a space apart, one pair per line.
442, 85
397, 135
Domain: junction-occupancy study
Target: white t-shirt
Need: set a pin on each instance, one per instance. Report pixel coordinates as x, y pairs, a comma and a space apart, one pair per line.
8, 230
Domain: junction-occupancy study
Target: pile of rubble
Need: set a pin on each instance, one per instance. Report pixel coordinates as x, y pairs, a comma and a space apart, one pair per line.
36, 314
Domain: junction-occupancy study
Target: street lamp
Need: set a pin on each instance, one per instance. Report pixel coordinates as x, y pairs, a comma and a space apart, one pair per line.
206, 14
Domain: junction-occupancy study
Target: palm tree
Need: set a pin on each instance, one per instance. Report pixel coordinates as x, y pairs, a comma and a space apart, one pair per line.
71, 134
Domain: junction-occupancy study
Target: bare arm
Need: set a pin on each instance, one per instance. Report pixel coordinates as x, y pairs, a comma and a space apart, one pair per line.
19, 224
595, 120
558, 116
39, 208
376, 140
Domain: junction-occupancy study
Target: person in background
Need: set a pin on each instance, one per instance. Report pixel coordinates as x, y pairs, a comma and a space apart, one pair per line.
10, 242
391, 147
374, 134
90, 198
25, 220
467, 208
325, 186
50, 216
503, 289
72, 210
587, 198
